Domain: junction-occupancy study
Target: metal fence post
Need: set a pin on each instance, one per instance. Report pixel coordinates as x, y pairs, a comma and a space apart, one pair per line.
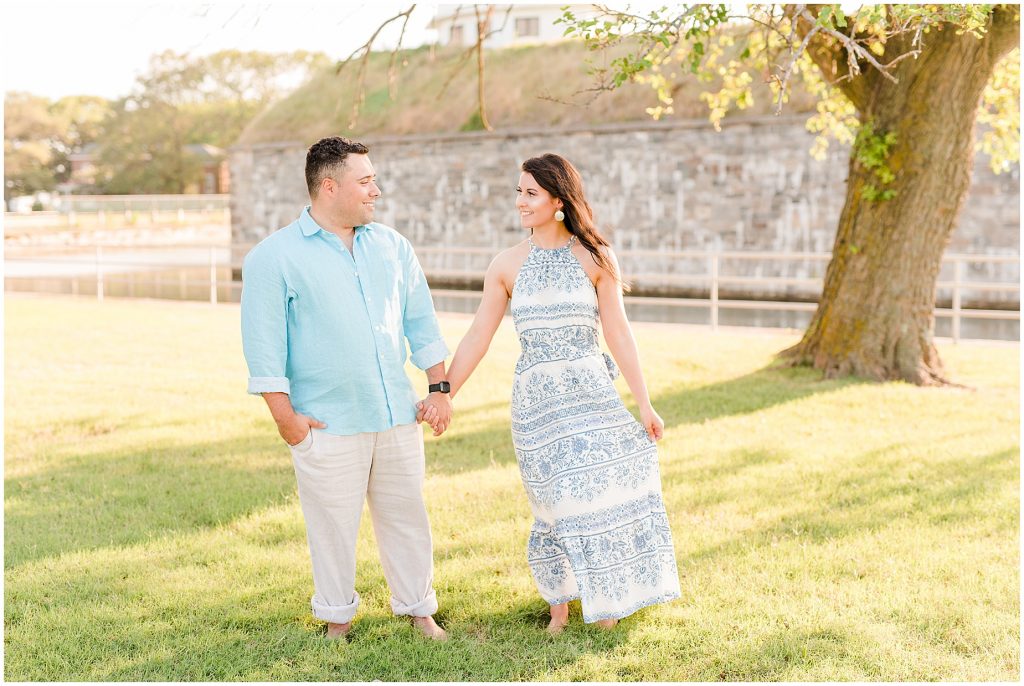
213, 275
713, 269
958, 277
99, 272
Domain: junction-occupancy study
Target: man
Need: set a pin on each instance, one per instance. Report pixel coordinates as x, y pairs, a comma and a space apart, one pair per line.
328, 303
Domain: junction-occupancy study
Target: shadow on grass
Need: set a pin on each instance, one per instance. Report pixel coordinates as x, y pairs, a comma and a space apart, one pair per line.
94, 500
486, 446
126, 614
726, 465
491, 444
771, 657
509, 643
129, 620
99, 499
767, 387
875, 493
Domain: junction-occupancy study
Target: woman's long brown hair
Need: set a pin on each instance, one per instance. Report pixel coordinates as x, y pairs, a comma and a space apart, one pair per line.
560, 178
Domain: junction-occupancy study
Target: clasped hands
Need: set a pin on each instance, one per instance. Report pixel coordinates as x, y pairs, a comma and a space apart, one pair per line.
436, 410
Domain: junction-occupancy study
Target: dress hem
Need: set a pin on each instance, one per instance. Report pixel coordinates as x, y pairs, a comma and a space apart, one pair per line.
621, 614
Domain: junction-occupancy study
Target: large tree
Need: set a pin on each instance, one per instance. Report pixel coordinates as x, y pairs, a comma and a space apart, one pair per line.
904, 84
80, 120
29, 129
184, 99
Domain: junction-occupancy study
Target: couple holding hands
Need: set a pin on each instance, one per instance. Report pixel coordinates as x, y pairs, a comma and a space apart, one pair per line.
329, 304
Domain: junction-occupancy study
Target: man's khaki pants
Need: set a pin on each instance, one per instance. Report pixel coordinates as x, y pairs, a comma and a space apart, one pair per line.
335, 474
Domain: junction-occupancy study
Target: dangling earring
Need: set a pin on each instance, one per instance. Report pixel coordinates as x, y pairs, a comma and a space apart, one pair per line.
559, 215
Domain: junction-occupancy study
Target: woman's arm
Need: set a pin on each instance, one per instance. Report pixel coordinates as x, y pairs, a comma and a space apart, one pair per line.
620, 341
477, 340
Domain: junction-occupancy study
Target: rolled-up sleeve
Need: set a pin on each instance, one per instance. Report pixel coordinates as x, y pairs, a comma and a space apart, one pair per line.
265, 322
426, 346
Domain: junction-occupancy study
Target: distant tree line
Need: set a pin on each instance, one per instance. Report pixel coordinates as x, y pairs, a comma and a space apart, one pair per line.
139, 143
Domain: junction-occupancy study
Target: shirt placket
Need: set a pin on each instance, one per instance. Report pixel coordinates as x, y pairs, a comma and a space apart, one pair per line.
361, 269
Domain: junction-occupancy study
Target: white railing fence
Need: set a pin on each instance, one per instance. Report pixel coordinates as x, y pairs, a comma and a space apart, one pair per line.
218, 269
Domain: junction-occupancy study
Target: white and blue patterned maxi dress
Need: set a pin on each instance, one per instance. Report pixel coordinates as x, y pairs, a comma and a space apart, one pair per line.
600, 530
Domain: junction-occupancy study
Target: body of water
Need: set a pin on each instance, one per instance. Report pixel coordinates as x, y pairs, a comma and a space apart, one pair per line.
184, 274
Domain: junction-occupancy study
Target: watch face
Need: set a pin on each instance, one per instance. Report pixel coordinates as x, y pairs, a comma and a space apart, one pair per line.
445, 387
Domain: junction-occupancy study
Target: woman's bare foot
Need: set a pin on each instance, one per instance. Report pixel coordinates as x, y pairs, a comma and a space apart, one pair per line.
559, 618
607, 623
336, 631
429, 628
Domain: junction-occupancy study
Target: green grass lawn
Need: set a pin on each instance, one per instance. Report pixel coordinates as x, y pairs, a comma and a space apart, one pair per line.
825, 530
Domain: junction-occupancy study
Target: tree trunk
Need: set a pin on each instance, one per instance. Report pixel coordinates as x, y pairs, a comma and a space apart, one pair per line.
483, 26
876, 313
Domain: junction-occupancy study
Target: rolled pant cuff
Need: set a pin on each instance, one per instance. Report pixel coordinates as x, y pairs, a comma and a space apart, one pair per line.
337, 614
424, 608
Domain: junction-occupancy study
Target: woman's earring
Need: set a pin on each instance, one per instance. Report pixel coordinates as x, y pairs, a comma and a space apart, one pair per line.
559, 215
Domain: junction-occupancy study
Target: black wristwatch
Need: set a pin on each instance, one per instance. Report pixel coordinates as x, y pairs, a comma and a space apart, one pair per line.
442, 387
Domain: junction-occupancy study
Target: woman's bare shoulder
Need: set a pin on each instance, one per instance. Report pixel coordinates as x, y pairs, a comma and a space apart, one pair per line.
511, 257
590, 265
505, 265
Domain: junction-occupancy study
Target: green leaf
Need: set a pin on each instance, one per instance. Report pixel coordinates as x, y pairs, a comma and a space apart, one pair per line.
840, 17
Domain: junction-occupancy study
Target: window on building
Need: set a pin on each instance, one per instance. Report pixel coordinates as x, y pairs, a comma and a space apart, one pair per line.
527, 26
455, 36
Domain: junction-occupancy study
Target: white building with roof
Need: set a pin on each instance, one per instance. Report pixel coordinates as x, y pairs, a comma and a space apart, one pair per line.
513, 24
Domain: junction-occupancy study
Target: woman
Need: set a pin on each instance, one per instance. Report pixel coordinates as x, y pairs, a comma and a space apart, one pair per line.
600, 530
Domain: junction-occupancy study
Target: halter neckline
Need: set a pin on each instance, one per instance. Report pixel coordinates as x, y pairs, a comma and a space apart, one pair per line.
568, 244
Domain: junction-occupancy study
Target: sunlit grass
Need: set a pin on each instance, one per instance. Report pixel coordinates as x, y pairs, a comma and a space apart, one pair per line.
825, 530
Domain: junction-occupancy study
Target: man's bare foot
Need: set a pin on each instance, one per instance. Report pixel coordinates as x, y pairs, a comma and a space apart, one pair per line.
429, 628
336, 631
607, 623
559, 618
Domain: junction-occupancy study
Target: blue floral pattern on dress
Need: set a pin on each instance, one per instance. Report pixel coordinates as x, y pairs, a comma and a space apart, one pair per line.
543, 270
552, 345
556, 311
600, 531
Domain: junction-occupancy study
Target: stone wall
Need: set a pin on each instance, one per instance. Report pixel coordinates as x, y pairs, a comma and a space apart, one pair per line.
654, 186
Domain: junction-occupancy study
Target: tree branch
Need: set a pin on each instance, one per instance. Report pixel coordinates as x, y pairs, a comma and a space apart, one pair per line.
793, 57
464, 58
854, 51
1004, 34
366, 48
394, 56
826, 53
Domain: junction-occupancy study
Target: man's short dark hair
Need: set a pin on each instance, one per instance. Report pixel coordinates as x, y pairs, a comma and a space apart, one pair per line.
326, 158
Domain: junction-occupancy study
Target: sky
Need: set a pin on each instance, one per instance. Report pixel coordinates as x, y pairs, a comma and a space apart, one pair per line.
99, 48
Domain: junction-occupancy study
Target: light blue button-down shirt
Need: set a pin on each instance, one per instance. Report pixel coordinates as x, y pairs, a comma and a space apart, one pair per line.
329, 326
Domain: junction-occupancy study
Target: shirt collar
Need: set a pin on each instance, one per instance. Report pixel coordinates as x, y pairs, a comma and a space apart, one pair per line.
310, 227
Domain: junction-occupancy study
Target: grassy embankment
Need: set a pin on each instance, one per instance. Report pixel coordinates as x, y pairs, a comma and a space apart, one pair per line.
522, 85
